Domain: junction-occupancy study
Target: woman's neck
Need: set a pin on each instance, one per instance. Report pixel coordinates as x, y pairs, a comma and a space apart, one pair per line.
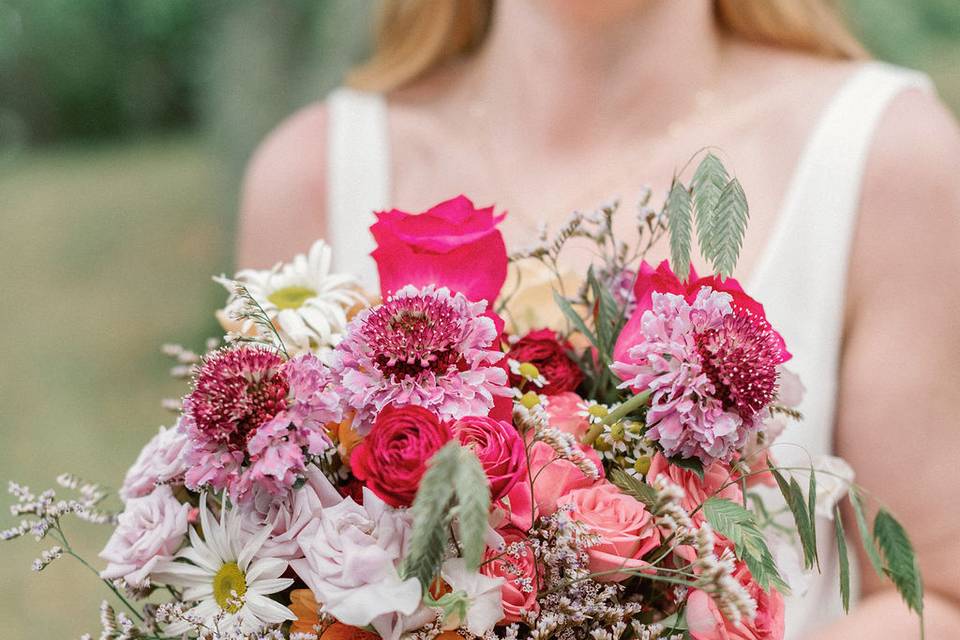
566, 75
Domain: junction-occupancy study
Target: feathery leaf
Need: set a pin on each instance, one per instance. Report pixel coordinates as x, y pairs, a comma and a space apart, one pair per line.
901, 561
729, 224
633, 487
680, 223
842, 558
708, 182
473, 505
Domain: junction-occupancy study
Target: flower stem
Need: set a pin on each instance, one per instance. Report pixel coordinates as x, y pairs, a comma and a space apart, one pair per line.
617, 415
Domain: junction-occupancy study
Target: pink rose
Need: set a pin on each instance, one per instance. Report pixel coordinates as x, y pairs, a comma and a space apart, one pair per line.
162, 460
444, 246
563, 410
149, 532
553, 478
544, 349
696, 491
707, 623
624, 526
393, 457
664, 280
517, 565
499, 448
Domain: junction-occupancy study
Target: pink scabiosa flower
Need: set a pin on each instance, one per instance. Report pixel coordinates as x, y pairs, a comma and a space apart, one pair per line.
254, 420
711, 366
426, 347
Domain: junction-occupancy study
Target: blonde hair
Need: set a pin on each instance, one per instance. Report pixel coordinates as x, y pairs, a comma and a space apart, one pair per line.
414, 37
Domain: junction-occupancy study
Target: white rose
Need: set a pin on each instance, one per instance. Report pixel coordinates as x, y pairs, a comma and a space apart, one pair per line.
149, 531
161, 460
350, 556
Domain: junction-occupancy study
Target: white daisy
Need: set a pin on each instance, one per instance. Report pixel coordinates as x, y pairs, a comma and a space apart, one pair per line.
226, 578
306, 303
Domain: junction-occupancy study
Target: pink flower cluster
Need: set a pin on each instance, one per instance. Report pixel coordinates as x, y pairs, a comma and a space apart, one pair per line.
708, 357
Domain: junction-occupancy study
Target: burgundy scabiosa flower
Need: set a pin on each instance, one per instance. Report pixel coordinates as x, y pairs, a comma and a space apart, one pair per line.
426, 347
254, 419
712, 367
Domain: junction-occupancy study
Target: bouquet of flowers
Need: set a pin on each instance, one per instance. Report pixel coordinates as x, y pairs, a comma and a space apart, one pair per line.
409, 463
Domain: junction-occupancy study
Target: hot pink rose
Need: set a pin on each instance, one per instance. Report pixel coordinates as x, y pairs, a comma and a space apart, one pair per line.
624, 526
706, 622
553, 478
544, 349
664, 280
393, 457
516, 564
499, 448
696, 491
445, 246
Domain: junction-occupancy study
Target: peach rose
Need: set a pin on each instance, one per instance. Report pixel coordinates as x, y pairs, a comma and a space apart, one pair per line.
624, 526
518, 568
696, 491
563, 410
706, 622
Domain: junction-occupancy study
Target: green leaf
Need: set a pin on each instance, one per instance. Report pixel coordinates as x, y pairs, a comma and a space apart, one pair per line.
574, 317
708, 182
728, 228
812, 509
842, 558
690, 464
473, 506
680, 223
431, 516
608, 316
633, 487
865, 538
793, 496
739, 525
901, 561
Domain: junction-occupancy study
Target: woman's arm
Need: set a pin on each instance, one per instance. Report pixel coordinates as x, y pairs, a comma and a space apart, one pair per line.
283, 201
899, 411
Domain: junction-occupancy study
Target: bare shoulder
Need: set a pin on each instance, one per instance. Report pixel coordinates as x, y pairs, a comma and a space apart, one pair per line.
283, 199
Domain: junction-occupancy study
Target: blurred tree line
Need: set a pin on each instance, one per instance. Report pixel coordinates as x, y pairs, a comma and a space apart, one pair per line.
94, 69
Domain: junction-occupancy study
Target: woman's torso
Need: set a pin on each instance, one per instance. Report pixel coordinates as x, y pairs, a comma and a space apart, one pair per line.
804, 164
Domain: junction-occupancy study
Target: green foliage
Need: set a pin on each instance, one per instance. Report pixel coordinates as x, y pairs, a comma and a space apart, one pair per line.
633, 487
571, 314
690, 464
739, 525
721, 218
865, 538
901, 562
454, 486
842, 559
679, 209
793, 496
609, 319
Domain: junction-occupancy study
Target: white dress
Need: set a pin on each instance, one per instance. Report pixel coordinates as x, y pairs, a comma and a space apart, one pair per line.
803, 267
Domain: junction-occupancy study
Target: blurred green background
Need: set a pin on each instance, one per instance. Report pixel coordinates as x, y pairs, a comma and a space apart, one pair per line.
124, 128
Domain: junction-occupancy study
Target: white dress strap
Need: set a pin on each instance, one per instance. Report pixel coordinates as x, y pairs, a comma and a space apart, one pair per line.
358, 177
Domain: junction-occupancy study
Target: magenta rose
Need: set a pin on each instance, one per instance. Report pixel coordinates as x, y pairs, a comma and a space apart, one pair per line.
707, 623
499, 448
664, 280
623, 525
453, 245
393, 457
544, 349
517, 565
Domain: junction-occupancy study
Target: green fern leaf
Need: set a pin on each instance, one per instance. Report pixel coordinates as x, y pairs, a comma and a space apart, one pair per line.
739, 525
431, 516
708, 182
633, 487
473, 505
728, 228
865, 538
680, 223
842, 559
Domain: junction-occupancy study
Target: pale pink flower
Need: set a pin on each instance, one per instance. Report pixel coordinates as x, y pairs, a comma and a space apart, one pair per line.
350, 558
162, 460
426, 347
149, 532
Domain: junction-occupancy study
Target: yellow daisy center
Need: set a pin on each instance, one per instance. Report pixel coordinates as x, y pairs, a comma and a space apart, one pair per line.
229, 583
529, 371
291, 297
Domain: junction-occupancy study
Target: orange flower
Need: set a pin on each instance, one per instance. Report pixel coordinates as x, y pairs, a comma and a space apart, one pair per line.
344, 435
340, 631
304, 606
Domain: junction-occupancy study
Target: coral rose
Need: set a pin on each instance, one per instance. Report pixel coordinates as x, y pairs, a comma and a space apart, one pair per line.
544, 349
393, 457
623, 525
696, 491
499, 448
443, 246
517, 565
564, 412
707, 623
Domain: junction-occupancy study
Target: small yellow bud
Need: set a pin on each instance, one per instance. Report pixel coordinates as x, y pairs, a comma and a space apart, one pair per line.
617, 431
642, 465
602, 445
598, 411
529, 371
635, 428
530, 399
